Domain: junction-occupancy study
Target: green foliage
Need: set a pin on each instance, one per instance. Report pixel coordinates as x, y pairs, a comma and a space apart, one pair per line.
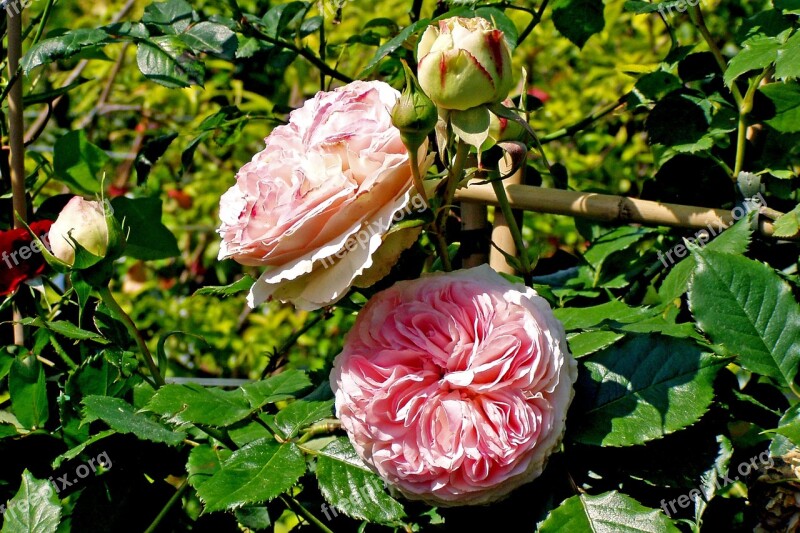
693, 348
34, 508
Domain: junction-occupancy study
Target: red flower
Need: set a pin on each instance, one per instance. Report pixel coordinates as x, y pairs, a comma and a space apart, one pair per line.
20, 257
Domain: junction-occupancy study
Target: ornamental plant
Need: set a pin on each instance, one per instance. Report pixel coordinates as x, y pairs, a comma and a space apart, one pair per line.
438, 266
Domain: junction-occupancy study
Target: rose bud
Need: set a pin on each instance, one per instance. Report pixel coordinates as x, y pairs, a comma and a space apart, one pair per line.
464, 63
414, 114
82, 222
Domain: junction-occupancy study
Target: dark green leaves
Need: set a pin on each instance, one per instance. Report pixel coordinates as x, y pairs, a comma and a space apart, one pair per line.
166, 60
642, 389
171, 17
211, 38
611, 512
79, 163
256, 473
63, 47
26, 383
577, 20
200, 405
121, 417
301, 414
785, 98
745, 306
352, 488
147, 237
219, 408
35, 508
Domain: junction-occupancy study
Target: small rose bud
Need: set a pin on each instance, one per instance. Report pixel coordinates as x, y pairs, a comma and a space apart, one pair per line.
414, 114
81, 221
464, 63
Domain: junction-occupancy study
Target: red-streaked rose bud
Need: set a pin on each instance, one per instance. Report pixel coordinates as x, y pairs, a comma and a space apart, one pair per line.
464, 63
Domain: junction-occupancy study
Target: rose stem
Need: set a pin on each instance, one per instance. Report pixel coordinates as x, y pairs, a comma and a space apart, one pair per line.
513, 227
108, 299
453, 179
169, 505
298, 508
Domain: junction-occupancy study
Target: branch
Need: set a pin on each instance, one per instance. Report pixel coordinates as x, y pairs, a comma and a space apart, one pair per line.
606, 207
16, 129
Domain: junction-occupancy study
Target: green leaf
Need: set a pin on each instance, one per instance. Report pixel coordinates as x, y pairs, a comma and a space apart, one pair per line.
642, 389
577, 20
575, 318
789, 425
788, 63
282, 17
211, 38
733, 240
63, 47
301, 414
393, 44
786, 99
256, 473
26, 383
276, 388
7, 430
589, 342
150, 153
642, 8
122, 418
611, 512
195, 404
788, 6
147, 237
714, 476
173, 16
758, 53
48, 96
745, 306
79, 163
789, 224
77, 450
6, 360
166, 61
233, 289
65, 329
35, 508
204, 462
352, 488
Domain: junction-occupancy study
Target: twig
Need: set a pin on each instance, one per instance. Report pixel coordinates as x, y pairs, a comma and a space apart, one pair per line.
101, 101
537, 18
298, 508
16, 127
606, 207
169, 505
586, 121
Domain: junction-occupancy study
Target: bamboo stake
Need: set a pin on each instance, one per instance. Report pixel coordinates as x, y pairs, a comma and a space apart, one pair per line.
607, 207
16, 130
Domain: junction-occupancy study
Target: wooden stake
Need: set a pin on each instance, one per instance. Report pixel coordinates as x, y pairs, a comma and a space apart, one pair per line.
608, 208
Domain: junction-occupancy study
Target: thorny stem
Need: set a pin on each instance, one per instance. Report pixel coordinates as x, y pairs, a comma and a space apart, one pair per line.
513, 227
168, 506
113, 305
454, 176
298, 508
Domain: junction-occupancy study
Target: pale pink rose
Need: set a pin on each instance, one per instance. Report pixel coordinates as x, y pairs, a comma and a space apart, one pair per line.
454, 387
316, 203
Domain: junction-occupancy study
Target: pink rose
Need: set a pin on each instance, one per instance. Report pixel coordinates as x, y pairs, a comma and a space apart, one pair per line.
314, 206
454, 387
